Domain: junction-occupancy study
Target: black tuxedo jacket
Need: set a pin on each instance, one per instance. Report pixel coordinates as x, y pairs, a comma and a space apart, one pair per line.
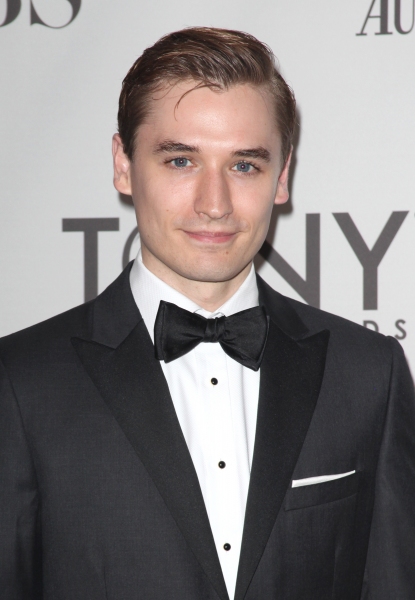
99, 498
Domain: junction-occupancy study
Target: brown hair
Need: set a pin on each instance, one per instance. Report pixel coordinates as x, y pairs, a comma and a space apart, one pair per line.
217, 58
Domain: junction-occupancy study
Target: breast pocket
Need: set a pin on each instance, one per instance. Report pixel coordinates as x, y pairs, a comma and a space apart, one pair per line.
322, 493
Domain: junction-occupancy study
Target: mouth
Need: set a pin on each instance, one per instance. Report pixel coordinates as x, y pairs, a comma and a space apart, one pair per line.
211, 237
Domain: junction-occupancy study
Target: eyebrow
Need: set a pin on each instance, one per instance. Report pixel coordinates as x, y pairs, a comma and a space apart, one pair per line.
259, 152
171, 146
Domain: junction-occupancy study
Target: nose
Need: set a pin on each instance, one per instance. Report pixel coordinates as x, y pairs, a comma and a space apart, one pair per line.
213, 197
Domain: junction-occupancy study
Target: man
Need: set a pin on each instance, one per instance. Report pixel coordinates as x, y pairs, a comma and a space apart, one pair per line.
191, 434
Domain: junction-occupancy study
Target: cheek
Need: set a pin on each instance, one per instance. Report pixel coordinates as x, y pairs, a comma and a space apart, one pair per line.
256, 210
160, 203
256, 196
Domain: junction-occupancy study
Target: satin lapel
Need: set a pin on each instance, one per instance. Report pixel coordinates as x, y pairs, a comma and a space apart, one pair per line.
291, 376
132, 383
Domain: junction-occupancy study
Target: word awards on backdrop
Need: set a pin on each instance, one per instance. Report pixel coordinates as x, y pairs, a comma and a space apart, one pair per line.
13, 8
308, 288
379, 12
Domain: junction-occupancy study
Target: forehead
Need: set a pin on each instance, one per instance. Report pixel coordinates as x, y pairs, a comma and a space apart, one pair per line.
242, 114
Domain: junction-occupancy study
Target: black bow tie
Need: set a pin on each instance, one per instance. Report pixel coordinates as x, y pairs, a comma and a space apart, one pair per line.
242, 335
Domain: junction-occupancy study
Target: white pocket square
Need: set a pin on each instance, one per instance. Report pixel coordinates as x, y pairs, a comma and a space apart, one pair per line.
319, 479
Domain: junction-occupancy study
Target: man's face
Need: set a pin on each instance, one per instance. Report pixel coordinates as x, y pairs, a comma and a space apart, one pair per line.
205, 176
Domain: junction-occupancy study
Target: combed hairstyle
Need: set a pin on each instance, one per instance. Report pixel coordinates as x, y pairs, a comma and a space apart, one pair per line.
215, 58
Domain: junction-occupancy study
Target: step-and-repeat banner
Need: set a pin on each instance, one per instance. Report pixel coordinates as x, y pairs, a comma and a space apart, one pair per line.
346, 240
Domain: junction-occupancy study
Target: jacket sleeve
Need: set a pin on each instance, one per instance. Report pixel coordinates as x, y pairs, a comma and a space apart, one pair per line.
390, 563
20, 554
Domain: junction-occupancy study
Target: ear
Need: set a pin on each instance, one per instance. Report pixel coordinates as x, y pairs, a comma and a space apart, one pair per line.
122, 166
282, 194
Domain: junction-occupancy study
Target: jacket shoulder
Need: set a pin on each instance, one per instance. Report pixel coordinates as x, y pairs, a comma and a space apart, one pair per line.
47, 335
349, 342
110, 316
317, 318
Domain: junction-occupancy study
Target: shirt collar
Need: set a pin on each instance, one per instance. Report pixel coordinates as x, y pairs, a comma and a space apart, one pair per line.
148, 290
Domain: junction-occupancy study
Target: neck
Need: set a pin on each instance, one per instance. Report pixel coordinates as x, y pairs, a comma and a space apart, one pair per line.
209, 295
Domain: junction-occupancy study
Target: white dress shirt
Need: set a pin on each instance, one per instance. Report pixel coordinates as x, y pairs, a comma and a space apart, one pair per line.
216, 401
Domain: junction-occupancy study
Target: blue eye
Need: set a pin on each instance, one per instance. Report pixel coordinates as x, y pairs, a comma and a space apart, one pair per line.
180, 162
244, 167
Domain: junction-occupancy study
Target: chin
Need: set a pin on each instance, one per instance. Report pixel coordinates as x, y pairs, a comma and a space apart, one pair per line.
213, 273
